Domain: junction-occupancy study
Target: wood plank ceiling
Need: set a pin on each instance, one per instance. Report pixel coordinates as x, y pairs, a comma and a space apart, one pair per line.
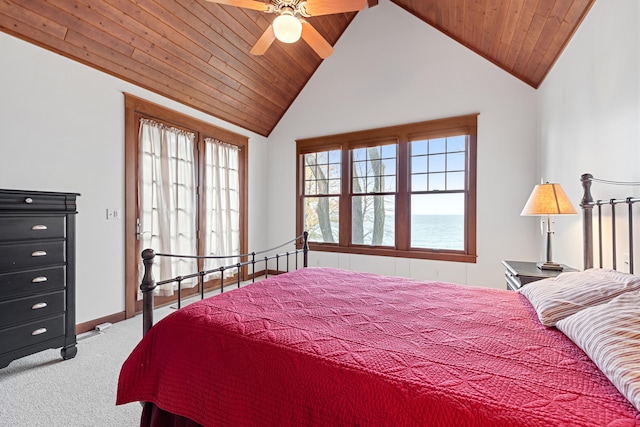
197, 53
523, 37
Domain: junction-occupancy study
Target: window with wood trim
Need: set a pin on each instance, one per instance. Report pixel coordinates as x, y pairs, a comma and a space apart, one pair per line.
407, 191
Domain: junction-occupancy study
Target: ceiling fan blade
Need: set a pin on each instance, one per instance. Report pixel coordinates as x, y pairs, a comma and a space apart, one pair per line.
327, 7
247, 4
316, 41
264, 42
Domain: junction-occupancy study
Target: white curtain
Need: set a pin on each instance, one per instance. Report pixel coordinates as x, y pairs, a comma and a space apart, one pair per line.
223, 203
167, 199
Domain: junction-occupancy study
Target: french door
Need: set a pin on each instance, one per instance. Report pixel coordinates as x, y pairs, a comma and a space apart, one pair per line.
186, 194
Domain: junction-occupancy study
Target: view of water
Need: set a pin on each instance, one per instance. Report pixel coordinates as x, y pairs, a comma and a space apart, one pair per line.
427, 231
437, 231
430, 231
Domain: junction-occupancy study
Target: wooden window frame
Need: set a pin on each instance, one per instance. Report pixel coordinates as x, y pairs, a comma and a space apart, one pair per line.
403, 134
136, 108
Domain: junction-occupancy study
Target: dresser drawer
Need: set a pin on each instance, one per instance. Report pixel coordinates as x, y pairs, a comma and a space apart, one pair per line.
30, 282
31, 333
34, 254
31, 227
30, 308
37, 201
513, 282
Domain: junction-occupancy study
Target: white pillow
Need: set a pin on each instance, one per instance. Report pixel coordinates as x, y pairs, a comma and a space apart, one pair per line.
568, 293
610, 335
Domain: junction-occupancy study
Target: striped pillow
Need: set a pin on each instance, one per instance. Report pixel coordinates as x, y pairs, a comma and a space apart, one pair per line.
610, 335
568, 293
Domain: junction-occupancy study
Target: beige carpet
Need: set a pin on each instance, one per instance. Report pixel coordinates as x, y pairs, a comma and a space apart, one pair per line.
44, 390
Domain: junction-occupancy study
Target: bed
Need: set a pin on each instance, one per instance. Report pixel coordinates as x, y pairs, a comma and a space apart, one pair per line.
329, 347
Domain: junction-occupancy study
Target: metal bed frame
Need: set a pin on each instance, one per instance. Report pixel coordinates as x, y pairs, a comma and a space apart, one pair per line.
587, 204
149, 283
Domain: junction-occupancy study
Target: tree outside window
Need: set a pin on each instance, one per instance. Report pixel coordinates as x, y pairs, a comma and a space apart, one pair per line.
321, 195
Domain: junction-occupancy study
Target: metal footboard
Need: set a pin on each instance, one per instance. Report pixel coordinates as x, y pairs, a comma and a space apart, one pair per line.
149, 284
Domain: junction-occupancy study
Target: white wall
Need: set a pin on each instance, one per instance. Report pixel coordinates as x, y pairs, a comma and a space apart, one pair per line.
63, 130
590, 114
390, 68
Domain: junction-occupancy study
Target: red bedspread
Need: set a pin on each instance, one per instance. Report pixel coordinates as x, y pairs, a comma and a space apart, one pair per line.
326, 347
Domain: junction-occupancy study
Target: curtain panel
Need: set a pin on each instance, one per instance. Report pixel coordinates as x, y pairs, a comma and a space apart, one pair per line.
223, 204
167, 198
168, 201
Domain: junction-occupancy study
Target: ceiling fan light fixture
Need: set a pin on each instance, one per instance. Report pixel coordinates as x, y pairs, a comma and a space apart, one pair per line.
287, 27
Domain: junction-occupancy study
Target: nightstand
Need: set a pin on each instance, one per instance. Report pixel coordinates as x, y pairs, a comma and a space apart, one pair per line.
519, 273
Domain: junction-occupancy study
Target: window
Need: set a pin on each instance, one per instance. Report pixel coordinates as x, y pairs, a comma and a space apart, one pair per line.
400, 191
321, 202
438, 169
373, 189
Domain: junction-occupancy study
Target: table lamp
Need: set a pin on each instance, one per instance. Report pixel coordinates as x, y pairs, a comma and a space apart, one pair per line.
548, 199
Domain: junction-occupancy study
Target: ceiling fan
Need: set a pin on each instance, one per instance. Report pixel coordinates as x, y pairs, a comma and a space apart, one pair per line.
289, 24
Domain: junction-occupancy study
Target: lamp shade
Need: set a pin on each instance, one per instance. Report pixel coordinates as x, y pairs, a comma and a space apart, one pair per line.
287, 27
548, 199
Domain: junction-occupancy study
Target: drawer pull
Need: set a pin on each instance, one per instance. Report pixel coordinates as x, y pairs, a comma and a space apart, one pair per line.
28, 200
38, 306
39, 331
39, 253
39, 227
39, 279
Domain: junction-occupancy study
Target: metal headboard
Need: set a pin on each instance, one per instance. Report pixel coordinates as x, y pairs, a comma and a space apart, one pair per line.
587, 204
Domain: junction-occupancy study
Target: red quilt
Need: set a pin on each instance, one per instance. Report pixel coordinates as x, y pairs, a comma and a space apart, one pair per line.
326, 347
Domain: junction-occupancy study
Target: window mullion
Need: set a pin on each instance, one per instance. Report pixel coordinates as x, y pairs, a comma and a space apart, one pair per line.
345, 198
201, 196
403, 207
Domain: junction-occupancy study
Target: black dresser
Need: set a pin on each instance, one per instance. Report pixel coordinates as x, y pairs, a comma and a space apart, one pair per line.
37, 273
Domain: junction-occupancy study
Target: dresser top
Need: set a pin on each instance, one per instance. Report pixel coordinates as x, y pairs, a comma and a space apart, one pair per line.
43, 193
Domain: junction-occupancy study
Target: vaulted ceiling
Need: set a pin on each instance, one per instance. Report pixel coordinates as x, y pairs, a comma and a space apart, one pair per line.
197, 52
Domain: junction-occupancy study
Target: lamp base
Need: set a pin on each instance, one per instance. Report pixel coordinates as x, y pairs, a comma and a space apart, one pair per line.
549, 266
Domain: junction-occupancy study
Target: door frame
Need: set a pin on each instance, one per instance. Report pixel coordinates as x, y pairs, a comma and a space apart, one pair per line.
135, 108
